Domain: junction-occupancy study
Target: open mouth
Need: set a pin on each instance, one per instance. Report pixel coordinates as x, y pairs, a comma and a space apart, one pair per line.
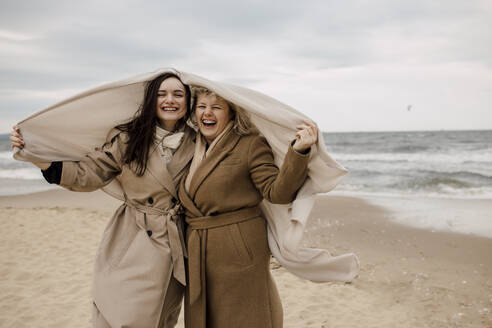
209, 123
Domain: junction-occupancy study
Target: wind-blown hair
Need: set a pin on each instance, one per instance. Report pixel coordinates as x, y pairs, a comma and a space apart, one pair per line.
141, 128
242, 123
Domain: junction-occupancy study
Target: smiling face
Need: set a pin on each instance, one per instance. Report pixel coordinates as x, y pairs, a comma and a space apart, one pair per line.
212, 114
171, 103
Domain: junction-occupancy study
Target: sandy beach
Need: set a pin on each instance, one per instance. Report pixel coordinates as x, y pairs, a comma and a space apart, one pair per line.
409, 277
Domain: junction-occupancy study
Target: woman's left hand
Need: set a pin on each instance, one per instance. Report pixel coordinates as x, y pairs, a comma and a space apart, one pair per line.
306, 136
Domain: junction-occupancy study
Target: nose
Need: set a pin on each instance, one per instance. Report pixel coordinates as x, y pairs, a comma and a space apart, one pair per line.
207, 111
169, 99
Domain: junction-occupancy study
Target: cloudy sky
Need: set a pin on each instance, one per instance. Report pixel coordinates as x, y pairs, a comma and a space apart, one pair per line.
350, 65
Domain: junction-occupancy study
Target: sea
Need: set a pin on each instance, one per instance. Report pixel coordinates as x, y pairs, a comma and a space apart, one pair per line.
424, 163
450, 164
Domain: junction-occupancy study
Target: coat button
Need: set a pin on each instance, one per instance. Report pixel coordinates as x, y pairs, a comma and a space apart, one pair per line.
150, 200
149, 232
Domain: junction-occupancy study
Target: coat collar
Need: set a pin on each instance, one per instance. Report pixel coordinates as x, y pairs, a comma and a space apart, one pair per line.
223, 147
186, 200
158, 170
181, 158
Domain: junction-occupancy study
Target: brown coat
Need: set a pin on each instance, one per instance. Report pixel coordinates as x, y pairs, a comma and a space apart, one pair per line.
139, 247
230, 284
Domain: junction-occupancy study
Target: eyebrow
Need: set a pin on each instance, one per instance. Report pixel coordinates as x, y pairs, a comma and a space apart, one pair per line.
176, 90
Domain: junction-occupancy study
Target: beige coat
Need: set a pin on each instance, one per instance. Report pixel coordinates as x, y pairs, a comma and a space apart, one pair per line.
141, 245
229, 281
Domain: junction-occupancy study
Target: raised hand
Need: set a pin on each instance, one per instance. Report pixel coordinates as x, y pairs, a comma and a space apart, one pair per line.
306, 136
16, 138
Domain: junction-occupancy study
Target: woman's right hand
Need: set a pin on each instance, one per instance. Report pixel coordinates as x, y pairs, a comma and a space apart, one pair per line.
16, 138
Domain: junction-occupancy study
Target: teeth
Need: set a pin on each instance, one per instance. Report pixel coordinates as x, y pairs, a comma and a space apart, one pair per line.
170, 109
208, 122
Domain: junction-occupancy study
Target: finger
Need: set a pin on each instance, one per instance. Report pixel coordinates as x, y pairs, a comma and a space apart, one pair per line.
16, 138
15, 135
308, 132
16, 128
302, 132
309, 123
302, 127
307, 135
313, 132
16, 144
313, 128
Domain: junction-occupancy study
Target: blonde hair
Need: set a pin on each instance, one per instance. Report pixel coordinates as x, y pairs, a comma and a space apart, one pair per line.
242, 124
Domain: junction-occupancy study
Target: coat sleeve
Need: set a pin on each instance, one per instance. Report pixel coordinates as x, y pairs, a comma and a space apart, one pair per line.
97, 168
276, 186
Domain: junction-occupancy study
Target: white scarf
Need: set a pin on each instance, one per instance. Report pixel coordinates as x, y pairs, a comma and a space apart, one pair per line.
201, 152
167, 142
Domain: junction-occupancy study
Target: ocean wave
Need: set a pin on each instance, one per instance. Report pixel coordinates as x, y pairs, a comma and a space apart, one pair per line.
441, 191
455, 158
408, 149
434, 183
7, 162
6, 155
28, 173
471, 176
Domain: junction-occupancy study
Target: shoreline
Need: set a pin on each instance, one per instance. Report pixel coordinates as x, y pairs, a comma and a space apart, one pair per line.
411, 211
409, 277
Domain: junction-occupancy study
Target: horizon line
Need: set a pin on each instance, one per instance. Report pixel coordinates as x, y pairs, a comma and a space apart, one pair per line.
374, 131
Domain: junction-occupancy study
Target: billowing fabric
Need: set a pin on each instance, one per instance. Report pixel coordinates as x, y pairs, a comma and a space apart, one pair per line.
229, 280
72, 128
141, 252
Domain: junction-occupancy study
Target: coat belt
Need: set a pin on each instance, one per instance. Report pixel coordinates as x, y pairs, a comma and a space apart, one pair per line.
175, 235
197, 243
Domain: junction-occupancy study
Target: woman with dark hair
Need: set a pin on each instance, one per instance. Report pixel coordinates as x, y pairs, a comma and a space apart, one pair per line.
139, 269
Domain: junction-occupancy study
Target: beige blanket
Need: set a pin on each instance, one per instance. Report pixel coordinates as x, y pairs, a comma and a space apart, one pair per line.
72, 128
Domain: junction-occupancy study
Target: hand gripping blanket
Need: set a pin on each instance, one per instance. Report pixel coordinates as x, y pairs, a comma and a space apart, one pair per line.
68, 130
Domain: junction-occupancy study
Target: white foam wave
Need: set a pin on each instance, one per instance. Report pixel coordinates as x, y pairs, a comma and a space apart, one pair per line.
444, 191
6, 155
22, 173
455, 158
459, 216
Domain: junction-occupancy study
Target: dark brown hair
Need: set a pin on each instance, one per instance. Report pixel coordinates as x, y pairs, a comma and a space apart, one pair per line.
141, 128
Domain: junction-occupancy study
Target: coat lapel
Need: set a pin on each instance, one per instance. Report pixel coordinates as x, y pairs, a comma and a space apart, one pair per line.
187, 201
158, 170
182, 156
221, 150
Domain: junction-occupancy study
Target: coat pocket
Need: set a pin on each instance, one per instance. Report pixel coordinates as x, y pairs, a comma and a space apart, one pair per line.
243, 252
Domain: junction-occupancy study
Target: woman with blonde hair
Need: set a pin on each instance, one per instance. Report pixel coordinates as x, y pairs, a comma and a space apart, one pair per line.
233, 170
